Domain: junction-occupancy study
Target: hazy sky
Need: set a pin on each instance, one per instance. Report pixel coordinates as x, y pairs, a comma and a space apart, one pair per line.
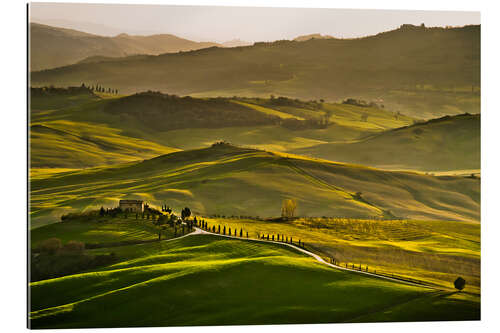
226, 23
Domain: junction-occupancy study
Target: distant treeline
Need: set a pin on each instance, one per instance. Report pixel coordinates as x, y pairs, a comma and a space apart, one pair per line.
53, 91
83, 89
168, 112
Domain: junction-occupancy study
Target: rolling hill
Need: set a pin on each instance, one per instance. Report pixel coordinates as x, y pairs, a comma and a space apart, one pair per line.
75, 128
52, 47
422, 72
165, 278
448, 143
228, 180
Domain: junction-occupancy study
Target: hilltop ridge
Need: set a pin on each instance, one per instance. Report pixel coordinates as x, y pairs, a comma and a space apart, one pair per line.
227, 180
418, 71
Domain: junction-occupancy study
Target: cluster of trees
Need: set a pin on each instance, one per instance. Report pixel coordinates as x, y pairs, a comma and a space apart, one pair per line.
155, 109
223, 231
166, 209
281, 238
99, 88
285, 101
360, 102
53, 91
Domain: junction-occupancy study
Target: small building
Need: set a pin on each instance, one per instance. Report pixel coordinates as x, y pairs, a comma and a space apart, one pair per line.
136, 206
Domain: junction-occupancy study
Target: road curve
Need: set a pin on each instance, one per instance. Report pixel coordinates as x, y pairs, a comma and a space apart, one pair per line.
317, 257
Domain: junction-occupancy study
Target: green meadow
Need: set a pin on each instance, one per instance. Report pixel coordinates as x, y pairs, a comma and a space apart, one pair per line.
435, 252
210, 280
98, 230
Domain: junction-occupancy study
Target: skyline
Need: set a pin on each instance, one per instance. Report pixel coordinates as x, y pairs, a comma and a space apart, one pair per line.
221, 24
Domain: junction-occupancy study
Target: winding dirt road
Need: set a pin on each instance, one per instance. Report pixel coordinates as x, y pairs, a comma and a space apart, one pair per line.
317, 257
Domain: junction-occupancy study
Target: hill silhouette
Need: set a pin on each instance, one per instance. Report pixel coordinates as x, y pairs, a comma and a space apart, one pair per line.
423, 72
52, 47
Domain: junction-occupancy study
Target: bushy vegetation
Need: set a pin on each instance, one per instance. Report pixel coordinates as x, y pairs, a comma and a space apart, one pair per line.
53, 91
167, 112
52, 259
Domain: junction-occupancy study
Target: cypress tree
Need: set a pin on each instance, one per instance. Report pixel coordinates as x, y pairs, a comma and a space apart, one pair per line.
218, 229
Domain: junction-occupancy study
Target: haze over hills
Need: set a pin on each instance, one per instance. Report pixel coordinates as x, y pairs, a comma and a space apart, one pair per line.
423, 72
54, 47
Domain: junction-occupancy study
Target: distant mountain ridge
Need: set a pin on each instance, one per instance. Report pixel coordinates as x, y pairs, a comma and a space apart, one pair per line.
421, 72
52, 47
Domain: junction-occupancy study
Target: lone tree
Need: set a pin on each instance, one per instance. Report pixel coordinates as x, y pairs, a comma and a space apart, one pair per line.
288, 208
459, 283
185, 213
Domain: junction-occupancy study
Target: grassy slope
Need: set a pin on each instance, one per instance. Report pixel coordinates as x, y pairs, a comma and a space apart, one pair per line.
254, 283
433, 74
449, 143
227, 180
64, 135
98, 230
67, 144
432, 251
78, 131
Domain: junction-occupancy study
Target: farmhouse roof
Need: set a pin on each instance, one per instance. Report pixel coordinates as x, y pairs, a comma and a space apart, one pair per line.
131, 201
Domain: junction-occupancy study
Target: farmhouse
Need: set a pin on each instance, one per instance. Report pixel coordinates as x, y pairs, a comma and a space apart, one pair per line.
132, 205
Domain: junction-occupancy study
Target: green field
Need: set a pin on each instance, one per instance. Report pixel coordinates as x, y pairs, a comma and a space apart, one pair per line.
229, 180
97, 230
208, 280
436, 252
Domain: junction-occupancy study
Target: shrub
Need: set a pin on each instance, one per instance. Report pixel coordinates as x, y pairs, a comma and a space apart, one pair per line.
74, 247
51, 246
459, 283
